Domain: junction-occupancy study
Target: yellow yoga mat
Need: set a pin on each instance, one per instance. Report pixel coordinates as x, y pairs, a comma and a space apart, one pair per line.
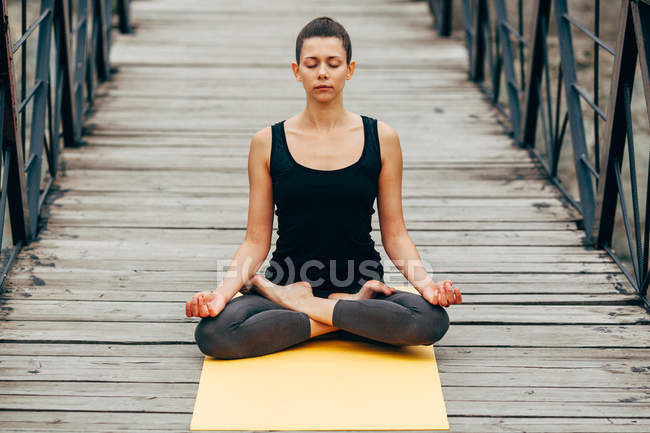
325, 383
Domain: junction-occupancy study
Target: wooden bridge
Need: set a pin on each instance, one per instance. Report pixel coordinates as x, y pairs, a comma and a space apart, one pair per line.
150, 201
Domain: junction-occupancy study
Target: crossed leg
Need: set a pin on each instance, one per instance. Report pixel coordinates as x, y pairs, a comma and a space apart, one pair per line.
252, 325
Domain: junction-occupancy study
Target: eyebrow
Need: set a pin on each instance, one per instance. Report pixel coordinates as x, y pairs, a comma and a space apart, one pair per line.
314, 57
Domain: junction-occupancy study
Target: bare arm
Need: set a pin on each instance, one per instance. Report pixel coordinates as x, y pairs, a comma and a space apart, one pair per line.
255, 247
395, 238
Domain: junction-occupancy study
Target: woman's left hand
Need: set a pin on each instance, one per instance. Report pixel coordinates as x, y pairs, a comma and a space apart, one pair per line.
442, 294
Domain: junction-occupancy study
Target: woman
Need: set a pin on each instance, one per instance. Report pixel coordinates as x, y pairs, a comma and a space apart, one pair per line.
323, 169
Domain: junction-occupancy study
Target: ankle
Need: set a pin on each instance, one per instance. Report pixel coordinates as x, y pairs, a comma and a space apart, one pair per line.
319, 328
259, 280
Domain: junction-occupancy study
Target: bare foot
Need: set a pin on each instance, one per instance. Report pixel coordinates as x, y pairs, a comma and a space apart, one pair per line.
289, 296
367, 291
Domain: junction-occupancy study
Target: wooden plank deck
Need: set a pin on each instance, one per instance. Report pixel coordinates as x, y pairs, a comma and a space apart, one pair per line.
93, 335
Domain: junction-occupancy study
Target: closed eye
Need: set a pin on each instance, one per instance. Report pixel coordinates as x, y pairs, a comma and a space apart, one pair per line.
332, 66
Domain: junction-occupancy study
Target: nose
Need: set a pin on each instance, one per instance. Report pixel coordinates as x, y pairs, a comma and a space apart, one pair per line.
322, 70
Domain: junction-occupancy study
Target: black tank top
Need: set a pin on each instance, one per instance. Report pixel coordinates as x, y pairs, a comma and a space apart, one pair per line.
324, 218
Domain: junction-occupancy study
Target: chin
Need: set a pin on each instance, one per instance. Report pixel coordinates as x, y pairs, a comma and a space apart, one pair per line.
323, 98
325, 95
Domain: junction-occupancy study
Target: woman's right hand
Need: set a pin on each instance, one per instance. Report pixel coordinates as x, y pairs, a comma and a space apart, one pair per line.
204, 304
371, 287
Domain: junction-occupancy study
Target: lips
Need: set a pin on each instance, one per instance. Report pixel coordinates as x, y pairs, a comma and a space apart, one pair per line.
323, 87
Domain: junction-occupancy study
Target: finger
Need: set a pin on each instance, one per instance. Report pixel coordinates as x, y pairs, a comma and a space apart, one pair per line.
443, 298
450, 295
204, 311
198, 306
459, 297
188, 309
212, 309
195, 306
196, 303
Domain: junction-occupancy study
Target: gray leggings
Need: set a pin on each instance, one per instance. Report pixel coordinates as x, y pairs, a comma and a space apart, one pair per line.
252, 325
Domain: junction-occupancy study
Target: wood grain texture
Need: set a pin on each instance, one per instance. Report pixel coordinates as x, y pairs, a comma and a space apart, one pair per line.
93, 333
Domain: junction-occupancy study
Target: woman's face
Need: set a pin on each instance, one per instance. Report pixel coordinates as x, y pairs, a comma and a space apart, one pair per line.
323, 68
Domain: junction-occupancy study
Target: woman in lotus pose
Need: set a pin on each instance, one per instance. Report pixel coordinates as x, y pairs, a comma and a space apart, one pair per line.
323, 168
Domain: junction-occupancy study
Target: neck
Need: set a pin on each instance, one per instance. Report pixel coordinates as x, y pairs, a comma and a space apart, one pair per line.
324, 117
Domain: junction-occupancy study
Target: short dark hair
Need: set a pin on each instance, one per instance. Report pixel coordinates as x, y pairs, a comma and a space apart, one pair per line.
324, 27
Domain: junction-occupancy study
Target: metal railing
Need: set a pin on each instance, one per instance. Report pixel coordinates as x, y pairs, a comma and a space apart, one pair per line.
497, 46
62, 86
441, 10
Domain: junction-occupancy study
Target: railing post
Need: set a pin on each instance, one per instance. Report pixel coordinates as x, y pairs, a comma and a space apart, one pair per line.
442, 14
108, 26
508, 64
534, 71
477, 53
64, 101
641, 19
615, 129
11, 146
124, 11
567, 61
80, 65
616, 133
101, 49
37, 135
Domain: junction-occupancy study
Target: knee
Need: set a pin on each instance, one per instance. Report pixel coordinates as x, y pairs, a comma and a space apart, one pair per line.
430, 326
215, 340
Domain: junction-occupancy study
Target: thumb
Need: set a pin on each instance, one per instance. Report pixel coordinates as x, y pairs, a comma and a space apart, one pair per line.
212, 308
216, 305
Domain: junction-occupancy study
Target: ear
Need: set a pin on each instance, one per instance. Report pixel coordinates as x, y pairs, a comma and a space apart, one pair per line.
296, 71
351, 67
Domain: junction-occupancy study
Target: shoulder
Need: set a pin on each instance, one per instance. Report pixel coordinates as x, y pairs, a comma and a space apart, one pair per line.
386, 132
388, 140
263, 136
260, 148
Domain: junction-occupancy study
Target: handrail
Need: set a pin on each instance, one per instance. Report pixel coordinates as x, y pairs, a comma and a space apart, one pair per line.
530, 101
59, 100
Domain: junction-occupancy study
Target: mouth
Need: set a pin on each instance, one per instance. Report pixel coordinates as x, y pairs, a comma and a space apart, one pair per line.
323, 87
